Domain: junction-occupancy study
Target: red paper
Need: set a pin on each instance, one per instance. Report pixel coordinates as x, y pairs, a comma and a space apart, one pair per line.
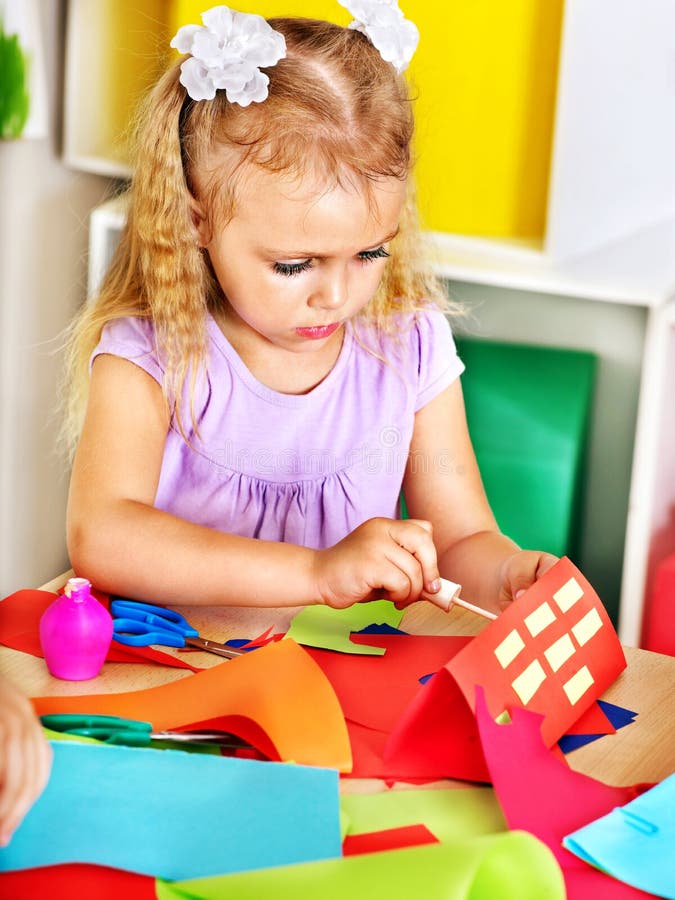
375, 693
539, 793
375, 690
75, 880
20, 615
559, 634
389, 839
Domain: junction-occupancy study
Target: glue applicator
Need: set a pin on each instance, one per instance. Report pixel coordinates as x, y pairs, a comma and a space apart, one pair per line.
448, 596
75, 633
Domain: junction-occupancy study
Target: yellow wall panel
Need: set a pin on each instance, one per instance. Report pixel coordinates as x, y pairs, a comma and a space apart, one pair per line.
485, 74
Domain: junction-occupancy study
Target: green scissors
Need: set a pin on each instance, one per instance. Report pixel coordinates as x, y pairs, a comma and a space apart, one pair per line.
133, 733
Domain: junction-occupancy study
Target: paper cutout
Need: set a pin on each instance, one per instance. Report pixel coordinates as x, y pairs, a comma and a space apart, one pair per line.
524, 771
76, 880
19, 629
511, 866
563, 691
618, 716
278, 692
450, 815
376, 693
387, 839
322, 626
635, 842
175, 815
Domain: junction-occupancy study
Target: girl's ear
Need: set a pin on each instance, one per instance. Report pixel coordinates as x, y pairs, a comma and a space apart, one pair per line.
199, 221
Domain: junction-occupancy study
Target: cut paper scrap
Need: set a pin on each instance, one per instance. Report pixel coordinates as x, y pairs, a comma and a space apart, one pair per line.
174, 815
450, 815
20, 615
376, 694
553, 651
511, 866
540, 794
593, 721
387, 839
76, 880
635, 842
323, 626
375, 691
278, 692
617, 715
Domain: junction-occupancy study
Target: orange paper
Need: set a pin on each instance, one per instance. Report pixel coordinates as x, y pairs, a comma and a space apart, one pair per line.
278, 689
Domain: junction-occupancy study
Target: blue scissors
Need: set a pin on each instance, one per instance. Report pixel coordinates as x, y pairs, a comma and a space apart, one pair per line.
139, 624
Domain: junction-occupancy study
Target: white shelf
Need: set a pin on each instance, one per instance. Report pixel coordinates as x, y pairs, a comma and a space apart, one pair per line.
638, 270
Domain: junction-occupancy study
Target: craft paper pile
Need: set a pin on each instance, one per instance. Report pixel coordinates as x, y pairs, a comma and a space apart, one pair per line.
176, 815
276, 699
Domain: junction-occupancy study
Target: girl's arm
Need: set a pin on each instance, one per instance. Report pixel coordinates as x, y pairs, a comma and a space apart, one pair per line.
120, 542
443, 485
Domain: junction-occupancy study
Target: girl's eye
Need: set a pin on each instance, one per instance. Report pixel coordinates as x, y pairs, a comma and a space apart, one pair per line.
282, 268
368, 255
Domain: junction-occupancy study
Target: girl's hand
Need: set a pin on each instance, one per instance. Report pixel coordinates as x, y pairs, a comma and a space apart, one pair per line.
521, 570
25, 759
383, 558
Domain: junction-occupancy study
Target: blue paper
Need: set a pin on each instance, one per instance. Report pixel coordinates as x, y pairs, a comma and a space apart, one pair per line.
617, 715
635, 842
176, 815
380, 628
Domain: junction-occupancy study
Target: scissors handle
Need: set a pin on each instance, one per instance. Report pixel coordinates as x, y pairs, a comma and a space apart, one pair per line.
137, 634
139, 624
110, 729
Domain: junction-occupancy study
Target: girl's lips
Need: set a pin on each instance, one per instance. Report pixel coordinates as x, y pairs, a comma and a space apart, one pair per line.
318, 331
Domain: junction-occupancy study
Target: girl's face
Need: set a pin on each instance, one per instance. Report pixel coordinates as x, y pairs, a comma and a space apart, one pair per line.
296, 262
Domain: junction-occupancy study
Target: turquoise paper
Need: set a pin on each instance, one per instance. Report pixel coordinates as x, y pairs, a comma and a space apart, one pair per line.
176, 815
634, 843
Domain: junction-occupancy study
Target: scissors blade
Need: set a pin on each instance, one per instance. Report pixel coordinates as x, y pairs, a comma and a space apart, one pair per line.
214, 647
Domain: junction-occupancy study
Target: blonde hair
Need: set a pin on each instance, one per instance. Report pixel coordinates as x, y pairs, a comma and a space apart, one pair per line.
334, 105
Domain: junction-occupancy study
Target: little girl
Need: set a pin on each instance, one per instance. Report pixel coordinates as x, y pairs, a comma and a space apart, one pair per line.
268, 362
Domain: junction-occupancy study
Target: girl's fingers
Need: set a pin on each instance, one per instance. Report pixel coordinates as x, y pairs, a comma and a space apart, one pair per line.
415, 536
412, 584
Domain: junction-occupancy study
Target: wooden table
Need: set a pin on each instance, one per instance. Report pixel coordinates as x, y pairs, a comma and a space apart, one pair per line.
641, 752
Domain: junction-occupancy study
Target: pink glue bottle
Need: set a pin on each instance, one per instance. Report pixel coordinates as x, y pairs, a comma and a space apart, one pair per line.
75, 633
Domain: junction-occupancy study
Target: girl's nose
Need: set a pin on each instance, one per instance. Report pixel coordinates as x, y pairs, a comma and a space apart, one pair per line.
332, 292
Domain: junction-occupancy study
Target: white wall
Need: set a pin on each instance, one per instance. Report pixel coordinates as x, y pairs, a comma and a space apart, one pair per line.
43, 241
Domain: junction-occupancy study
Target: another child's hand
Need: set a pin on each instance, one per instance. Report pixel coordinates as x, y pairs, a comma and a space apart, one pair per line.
25, 759
520, 571
383, 558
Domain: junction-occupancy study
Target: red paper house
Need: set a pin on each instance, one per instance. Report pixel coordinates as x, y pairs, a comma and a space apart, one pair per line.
554, 651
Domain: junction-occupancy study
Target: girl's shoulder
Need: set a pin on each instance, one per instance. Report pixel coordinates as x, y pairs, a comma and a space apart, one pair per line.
417, 346
132, 338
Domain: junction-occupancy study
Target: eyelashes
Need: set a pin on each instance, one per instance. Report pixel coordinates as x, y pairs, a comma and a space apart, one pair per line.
290, 269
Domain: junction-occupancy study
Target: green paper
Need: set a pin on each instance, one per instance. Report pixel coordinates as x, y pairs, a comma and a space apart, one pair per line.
511, 866
14, 97
330, 629
450, 815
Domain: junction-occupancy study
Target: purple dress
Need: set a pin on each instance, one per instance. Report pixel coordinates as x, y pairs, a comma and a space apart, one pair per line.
305, 469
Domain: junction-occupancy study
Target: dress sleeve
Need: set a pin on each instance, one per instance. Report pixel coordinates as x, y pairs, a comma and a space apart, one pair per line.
438, 362
131, 338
